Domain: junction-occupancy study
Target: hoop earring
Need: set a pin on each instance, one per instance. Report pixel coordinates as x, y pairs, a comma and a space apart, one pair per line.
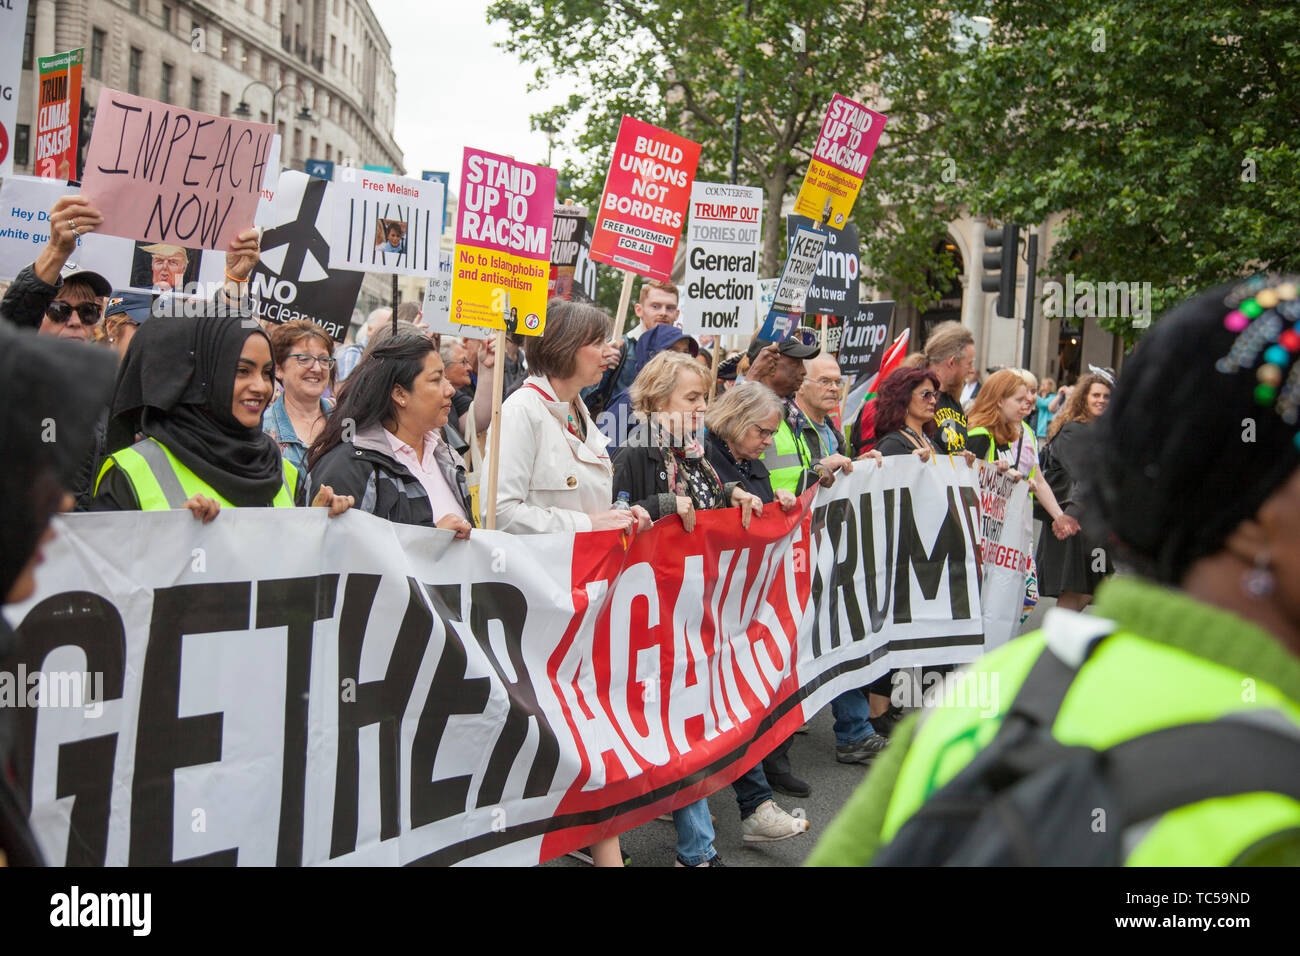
1259, 582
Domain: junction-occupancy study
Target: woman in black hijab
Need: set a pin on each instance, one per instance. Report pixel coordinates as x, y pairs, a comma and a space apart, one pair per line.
186, 424
51, 393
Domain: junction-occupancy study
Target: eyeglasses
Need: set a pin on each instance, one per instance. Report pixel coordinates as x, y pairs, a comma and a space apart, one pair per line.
764, 433
463, 361
834, 383
929, 395
60, 311
307, 361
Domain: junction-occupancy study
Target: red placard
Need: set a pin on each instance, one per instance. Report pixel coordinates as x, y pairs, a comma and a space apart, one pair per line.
647, 192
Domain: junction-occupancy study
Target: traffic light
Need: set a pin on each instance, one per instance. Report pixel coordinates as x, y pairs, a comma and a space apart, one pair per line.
1000, 256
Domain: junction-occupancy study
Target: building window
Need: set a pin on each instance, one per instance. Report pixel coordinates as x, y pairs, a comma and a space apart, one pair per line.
329, 152
167, 18
165, 88
133, 71
135, 6
314, 144
196, 93
333, 50
22, 143
297, 144
29, 38
97, 38
225, 104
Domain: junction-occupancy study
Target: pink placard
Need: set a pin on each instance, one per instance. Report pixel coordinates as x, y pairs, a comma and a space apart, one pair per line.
170, 175
849, 136
505, 205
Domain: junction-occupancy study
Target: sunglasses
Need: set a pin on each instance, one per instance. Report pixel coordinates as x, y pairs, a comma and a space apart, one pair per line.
60, 311
929, 396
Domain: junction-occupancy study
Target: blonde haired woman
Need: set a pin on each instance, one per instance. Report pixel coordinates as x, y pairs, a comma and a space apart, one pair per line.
664, 470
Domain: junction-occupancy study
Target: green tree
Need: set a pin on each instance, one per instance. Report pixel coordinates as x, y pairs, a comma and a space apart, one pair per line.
1167, 133
679, 65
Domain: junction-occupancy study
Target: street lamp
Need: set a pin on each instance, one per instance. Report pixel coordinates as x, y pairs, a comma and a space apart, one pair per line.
304, 115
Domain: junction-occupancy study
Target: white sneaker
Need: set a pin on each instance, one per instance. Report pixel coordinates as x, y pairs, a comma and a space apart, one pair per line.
770, 823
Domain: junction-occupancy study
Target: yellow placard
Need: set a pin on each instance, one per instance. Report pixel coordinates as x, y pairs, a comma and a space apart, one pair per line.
823, 183
486, 283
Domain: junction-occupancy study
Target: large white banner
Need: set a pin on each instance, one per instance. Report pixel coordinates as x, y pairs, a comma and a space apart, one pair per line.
279, 687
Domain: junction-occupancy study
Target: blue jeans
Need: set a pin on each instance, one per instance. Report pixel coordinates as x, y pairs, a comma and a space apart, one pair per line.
752, 790
694, 833
852, 718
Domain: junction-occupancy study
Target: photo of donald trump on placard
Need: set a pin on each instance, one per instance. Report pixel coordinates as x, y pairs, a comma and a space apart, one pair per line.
163, 267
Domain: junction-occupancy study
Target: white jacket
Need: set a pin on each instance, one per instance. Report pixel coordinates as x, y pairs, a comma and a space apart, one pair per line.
548, 480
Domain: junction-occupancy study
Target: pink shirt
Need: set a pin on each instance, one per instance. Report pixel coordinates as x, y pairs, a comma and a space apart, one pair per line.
442, 498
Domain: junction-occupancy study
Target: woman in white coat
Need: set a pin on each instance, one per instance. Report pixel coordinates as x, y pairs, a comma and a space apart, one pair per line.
555, 472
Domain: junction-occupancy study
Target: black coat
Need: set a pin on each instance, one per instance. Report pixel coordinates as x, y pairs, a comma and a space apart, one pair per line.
755, 478
896, 443
639, 470
381, 485
27, 298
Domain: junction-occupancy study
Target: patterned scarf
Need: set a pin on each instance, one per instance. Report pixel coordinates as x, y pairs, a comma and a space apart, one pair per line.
689, 473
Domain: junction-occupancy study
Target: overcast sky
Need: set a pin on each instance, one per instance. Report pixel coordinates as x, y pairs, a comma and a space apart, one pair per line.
456, 89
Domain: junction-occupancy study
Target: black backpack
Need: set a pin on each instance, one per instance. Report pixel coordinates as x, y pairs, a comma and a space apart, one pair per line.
1029, 800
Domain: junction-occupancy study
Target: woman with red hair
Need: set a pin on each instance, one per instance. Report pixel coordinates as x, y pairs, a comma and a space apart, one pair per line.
905, 410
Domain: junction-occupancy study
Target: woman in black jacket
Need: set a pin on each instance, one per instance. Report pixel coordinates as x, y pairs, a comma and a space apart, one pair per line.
383, 444
740, 428
1068, 569
662, 467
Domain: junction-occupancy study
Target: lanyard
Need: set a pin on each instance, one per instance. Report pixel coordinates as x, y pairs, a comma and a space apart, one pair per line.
569, 426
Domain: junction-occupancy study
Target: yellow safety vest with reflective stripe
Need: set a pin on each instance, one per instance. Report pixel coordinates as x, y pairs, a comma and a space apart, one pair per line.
1194, 663
787, 458
992, 455
162, 483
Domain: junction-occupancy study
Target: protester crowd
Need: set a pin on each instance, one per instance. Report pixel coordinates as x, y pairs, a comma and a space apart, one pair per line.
598, 433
